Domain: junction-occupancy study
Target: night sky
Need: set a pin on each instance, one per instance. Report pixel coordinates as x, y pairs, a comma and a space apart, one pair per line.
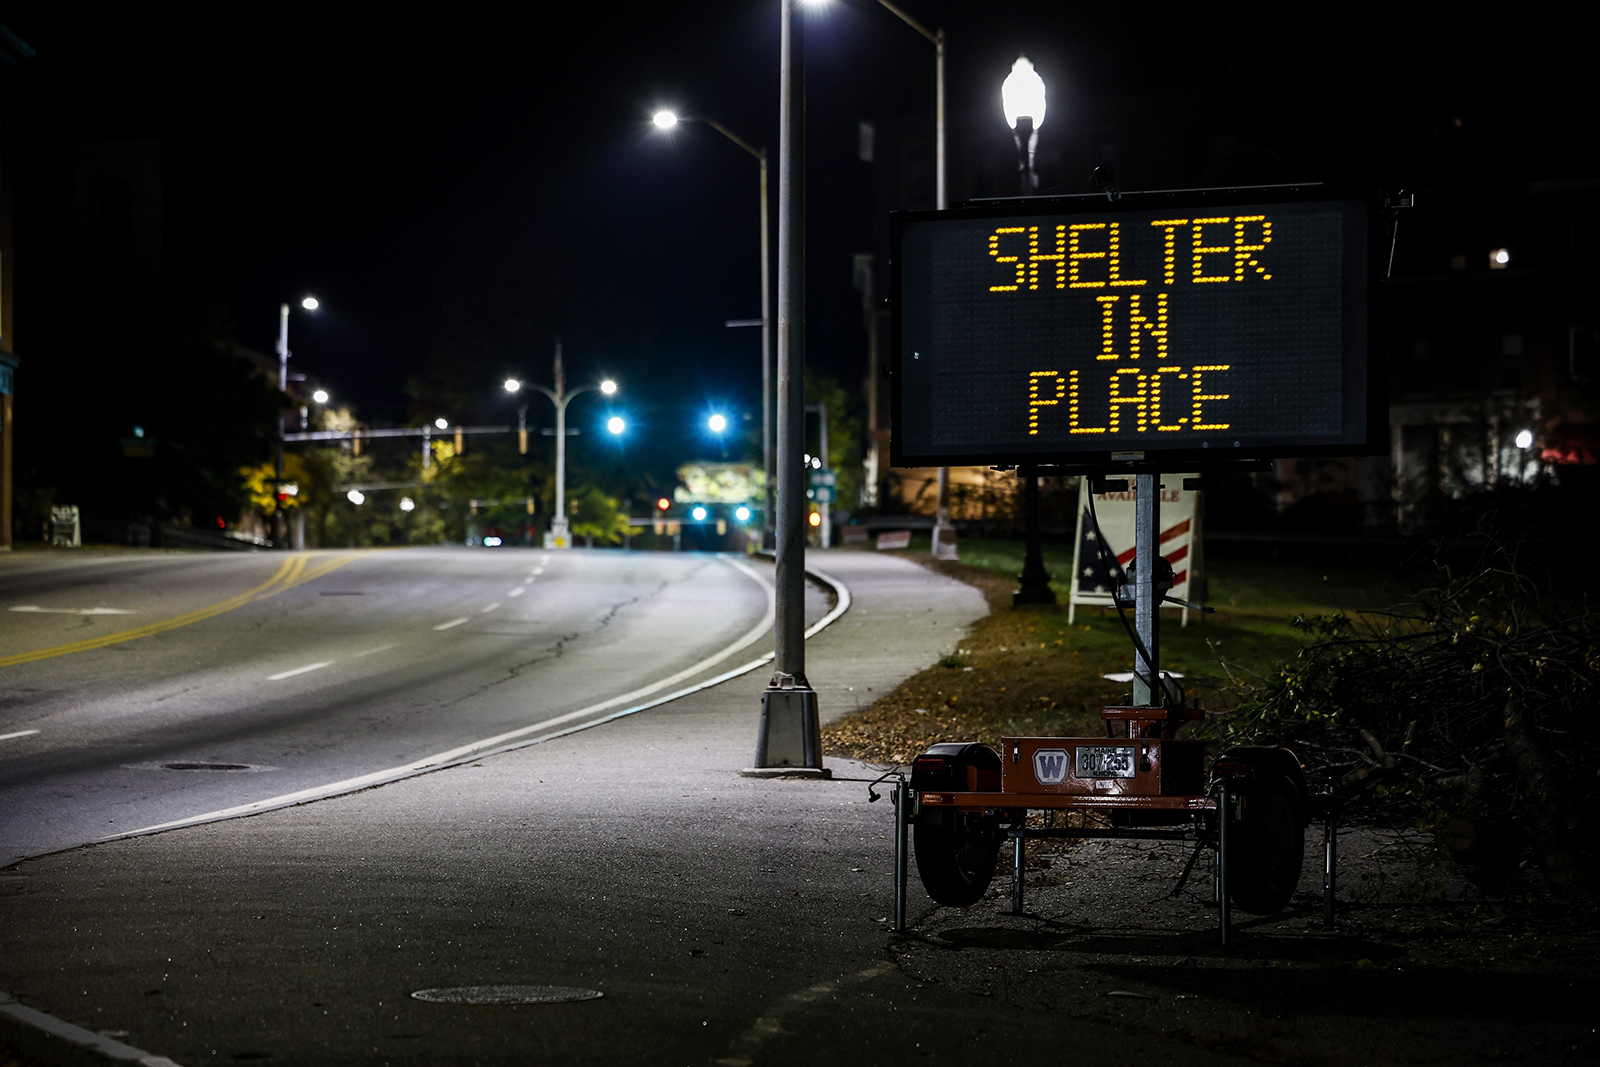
461, 189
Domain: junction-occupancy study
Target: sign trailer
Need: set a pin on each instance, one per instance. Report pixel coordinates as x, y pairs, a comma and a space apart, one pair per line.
1124, 337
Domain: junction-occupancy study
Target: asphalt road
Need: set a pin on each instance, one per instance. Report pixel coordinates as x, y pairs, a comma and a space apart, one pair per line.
302, 671
725, 920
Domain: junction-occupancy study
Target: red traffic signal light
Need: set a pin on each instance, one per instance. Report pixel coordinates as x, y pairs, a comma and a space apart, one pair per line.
663, 504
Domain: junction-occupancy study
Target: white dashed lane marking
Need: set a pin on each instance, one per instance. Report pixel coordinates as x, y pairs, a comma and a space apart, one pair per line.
299, 670
18, 733
452, 622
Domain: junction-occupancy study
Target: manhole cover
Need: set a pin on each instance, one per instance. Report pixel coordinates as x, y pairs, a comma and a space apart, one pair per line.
507, 994
208, 766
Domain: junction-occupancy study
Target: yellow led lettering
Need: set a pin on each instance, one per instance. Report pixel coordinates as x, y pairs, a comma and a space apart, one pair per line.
1121, 380
1243, 253
1035, 257
1157, 326
1202, 250
1035, 403
1074, 407
1155, 399
994, 250
1199, 398
1108, 345
1114, 272
1077, 255
1169, 247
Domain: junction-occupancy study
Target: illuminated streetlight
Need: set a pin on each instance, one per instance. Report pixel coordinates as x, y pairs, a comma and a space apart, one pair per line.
320, 396
356, 496
1022, 94
407, 504
717, 423
560, 396
1022, 98
742, 513
310, 304
441, 423
698, 514
666, 120
1525, 439
615, 424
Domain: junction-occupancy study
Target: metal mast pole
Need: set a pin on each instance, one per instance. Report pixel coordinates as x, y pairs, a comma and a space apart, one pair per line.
768, 518
789, 735
1146, 607
944, 534
558, 523
283, 387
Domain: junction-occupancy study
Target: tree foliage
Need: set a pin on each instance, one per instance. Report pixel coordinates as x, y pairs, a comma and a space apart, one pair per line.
1468, 708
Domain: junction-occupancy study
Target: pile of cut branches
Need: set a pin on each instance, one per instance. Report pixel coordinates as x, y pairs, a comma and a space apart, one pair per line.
1470, 710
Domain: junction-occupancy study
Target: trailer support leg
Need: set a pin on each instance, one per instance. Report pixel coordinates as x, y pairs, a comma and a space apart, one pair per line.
1224, 814
1018, 852
1330, 861
902, 801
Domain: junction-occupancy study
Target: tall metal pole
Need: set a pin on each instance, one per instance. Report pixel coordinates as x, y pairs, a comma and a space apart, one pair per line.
791, 547
558, 522
1146, 607
944, 533
789, 736
768, 517
283, 387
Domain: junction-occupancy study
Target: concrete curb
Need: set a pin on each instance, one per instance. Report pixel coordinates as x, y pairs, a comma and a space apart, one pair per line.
61, 1044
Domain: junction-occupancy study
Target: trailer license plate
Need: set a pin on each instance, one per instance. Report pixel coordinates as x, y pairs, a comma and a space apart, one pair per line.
1105, 761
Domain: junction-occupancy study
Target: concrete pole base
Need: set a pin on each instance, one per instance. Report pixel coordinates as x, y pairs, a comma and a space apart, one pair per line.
944, 542
790, 736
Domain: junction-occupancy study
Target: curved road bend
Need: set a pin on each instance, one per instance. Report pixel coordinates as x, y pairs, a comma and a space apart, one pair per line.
319, 667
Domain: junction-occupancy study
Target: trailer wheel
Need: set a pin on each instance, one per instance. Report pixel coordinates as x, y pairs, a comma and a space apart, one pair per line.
1268, 848
956, 856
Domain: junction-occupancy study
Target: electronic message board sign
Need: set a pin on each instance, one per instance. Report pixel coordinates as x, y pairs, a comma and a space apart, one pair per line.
1188, 327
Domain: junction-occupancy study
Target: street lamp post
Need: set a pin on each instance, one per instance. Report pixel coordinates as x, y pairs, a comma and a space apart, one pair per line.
789, 739
310, 304
944, 532
1022, 97
560, 396
666, 120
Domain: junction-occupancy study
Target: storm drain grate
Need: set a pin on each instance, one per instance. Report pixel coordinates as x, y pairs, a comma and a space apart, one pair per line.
208, 766
507, 994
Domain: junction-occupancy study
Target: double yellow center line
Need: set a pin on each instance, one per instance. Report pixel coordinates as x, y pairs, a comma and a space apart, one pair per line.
294, 571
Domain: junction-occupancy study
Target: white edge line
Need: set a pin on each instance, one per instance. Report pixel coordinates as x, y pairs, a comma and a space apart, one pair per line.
19, 733
516, 739
95, 1044
299, 670
452, 622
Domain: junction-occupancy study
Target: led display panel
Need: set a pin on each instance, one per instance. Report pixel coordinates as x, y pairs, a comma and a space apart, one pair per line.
1187, 327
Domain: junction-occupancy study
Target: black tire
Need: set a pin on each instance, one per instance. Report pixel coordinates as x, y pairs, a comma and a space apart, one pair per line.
1267, 846
956, 856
